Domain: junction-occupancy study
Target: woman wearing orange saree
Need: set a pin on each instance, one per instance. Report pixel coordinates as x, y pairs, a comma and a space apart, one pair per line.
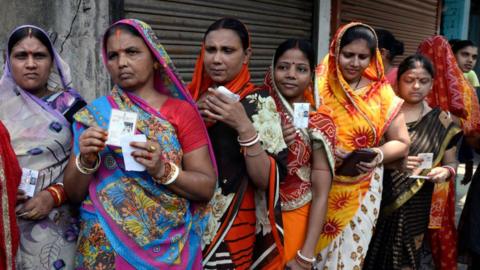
366, 113
243, 231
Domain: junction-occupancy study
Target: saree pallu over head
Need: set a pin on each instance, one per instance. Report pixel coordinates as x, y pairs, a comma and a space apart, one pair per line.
361, 117
142, 224
201, 81
39, 127
295, 189
10, 174
451, 91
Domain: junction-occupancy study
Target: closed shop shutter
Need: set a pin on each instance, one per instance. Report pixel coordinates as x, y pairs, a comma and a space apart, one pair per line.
180, 26
411, 21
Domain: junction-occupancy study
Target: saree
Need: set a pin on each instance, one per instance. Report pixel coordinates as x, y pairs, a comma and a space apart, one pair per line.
409, 204
128, 221
362, 117
245, 229
451, 91
449, 85
10, 174
40, 130
295, 189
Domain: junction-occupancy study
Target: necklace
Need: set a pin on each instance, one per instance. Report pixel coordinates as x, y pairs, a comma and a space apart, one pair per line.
356, 85
421, 112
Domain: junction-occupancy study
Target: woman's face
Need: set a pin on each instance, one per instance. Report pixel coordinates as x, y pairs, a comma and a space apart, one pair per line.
292, 73
30, 63
415, 84
467, 58
354, 59
129, 61
224, 55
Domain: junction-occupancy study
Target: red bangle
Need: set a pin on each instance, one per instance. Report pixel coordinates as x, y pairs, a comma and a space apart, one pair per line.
452, 171
58, 194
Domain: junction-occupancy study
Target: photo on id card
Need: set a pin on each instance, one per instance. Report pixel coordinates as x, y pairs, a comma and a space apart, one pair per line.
122, 124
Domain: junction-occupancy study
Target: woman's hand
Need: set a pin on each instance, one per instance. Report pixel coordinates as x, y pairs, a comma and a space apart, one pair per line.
149, 155
202, 107
340, 155
38, 207
221, 108
91, 142
289, 133
438, 174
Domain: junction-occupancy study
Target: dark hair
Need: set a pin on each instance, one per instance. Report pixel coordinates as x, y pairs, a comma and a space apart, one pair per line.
234, 25
120, 27
26, 31
458, 44
387, 41
411, 62
360, 32
292, 43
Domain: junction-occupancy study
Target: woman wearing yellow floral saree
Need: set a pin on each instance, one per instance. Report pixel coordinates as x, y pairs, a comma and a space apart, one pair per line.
366, 113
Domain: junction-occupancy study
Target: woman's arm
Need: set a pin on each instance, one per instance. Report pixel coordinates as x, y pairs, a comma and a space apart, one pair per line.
196, 180
321, 178
398, 140
396, 146
234, 115
90, 142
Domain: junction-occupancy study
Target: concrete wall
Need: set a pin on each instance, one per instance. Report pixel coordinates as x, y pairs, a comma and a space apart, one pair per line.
75, 26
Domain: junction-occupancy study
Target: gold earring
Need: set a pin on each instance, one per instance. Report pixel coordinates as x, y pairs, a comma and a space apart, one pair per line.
156, 66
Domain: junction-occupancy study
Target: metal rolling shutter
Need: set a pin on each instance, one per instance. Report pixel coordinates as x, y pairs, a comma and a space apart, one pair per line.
411, 21
180, 26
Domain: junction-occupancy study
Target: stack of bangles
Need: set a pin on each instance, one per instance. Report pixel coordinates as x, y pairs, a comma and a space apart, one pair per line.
84, 169
58, 194
169, 176
249, 142
452, 171
305, 262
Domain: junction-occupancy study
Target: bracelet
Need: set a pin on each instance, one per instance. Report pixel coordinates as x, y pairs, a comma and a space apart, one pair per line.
452, 171
247, 140
170, 174
84, 169
304, 261
58, 194
252, 142
380, 155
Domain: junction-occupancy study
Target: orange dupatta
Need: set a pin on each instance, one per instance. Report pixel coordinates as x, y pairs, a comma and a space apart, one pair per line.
361, 117
201, 81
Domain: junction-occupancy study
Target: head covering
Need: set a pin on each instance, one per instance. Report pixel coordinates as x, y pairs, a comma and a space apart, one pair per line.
240, 85
451, 91
60, 79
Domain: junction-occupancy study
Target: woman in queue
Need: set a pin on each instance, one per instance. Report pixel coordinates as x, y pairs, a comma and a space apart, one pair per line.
246, 133
37, 103
366, 113
413, 197
310, 136
151, 217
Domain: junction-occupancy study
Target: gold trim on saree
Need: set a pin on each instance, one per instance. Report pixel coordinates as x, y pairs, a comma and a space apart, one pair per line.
6, 218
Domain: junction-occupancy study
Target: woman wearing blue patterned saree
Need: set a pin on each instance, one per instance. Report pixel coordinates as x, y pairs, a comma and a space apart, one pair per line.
141, 220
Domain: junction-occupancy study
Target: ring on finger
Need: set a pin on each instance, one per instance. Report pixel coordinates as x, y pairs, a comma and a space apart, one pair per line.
151, 148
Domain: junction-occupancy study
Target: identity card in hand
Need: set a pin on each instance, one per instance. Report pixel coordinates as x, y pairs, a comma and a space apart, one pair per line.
427, 162
130, 163
228, 93
122, 124
300, 114
29, 181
